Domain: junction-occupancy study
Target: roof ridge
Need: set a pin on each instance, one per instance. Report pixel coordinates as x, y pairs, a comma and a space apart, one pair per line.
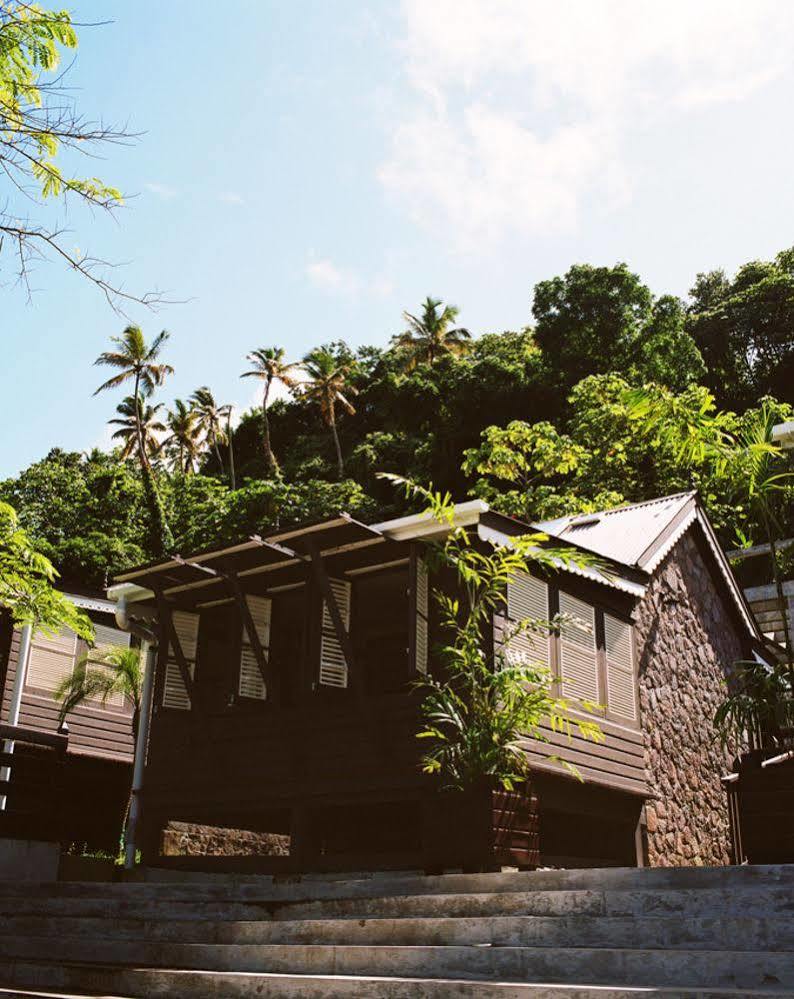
688, 493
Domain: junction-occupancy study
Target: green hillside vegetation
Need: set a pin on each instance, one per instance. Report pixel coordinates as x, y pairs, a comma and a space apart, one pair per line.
540, 421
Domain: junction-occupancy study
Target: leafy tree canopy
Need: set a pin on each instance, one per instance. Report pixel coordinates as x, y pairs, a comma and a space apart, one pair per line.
744, 328
27, 582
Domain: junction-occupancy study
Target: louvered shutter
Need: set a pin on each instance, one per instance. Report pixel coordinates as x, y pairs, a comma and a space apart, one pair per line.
527, 598
52, 658
333, 667
105, 639
578, 654
175, 695
422, 623
251, 682
621, 687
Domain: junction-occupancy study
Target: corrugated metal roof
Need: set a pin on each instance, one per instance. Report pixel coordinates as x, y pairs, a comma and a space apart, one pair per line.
625, 534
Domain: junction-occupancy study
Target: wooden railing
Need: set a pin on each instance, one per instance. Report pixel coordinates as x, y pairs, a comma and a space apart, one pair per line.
31, 782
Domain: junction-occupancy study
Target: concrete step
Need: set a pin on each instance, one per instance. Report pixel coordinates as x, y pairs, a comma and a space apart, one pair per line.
572, 965
137, 983
718, 902
378, 885
674, 932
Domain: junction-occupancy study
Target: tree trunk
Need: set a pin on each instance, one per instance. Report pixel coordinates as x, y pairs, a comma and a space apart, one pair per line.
217, 453
270, 458
161, 538
339, 463
229, 435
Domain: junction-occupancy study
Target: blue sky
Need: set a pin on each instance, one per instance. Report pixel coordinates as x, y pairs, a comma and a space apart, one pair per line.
308, 170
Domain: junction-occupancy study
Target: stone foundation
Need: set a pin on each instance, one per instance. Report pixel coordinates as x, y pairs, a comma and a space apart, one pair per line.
188, 839
689, 637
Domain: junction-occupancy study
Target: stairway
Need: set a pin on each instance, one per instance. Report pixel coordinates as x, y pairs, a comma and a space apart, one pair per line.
590, 934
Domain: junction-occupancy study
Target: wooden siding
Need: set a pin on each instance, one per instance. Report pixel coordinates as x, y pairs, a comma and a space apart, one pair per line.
252, 761
94, 730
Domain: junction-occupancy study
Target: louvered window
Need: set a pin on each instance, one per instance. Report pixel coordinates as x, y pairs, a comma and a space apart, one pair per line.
174, 693
105, 639
578, 655
621, 687
251, 682
52, 658
422, 624
333, 666
527, 599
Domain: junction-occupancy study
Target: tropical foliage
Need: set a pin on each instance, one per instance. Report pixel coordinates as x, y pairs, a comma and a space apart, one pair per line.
27, 579
480, 705
540, 422
98, 676
41, 130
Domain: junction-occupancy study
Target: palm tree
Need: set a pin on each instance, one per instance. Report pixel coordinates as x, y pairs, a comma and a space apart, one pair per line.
325, 386
432, 336
184, 439
132, 422
269, 365
209, 418
98, 676
138, 362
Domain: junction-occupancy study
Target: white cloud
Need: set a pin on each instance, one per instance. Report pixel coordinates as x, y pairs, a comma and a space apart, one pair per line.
231, 198
521, 114
344, 281
161, 190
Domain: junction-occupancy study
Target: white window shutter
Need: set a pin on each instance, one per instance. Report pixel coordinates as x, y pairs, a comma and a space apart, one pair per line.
621, 686
251, 683
527, 598
186, 626
422, 625
578, 652
333, 666
52, 658
105, 639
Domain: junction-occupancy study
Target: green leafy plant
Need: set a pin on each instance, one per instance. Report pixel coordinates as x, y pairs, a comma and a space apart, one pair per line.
100, 676
27, 583
759, 705
481, 707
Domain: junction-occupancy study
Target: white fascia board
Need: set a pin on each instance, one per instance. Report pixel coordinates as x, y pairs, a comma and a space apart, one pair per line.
498, 539
424, 525
131, 592
92, 603
728, 575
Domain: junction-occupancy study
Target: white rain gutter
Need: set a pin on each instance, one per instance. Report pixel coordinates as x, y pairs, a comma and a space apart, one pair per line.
423, 525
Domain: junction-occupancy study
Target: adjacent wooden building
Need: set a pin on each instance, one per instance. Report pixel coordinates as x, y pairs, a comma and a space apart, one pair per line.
283, 701
94, 780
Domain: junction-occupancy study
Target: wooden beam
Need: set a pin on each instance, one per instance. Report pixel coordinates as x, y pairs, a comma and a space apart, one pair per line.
168, 632
262, 661
342, 635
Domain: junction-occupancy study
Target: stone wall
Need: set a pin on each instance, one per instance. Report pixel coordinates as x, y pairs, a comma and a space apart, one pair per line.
189, 839
687, 639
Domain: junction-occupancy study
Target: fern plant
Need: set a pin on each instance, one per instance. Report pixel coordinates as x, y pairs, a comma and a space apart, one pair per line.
483, 705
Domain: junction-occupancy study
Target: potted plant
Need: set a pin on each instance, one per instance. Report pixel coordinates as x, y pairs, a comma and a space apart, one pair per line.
482, 703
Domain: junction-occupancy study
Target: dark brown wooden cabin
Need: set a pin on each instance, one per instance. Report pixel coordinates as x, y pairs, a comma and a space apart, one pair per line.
283, 703
97, 770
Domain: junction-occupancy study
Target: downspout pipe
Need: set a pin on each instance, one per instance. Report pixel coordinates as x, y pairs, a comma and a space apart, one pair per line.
15, 706
149, 653
149, 642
